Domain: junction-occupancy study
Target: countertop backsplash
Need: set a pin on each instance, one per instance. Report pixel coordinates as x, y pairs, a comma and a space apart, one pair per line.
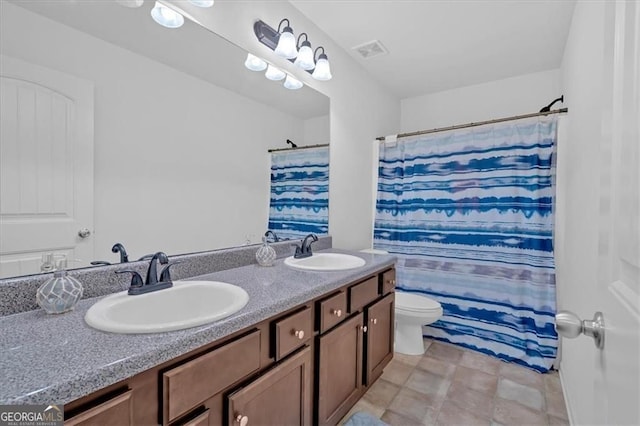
19, 294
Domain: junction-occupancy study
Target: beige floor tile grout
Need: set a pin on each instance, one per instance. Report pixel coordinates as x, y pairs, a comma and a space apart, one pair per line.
435, 415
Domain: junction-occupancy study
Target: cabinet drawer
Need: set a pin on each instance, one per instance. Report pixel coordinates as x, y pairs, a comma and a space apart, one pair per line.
332, 311
362, 294
189, 384
292, 332
388, 283
116, 411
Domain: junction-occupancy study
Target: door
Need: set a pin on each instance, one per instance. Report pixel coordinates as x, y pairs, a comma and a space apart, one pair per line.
281, 396
617, 378
380, 333
46, 166
339, 383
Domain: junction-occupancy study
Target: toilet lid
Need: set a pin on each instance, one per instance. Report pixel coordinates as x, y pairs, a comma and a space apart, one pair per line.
415, 302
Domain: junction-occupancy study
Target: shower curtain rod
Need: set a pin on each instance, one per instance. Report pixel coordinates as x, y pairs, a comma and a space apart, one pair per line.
322, 145
479, 123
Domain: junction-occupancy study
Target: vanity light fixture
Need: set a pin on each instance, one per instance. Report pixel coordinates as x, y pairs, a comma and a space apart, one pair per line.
254, 63
322, 71
201, 3
292, 83
166, 17
305, 54
283, 44
274, 73
286, 46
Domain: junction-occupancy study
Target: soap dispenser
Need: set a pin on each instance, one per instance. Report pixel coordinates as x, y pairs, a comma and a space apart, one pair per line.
61, 292
266, 255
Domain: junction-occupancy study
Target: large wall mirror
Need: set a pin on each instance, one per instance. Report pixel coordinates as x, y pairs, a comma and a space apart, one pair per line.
118, 130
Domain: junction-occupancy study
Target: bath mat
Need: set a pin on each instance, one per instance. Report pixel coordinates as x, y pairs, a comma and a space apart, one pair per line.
364, 419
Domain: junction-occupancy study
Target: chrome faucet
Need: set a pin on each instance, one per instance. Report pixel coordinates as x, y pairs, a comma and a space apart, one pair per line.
304, 250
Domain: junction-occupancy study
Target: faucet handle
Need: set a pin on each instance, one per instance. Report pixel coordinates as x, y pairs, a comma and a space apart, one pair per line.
136, 278
165, 276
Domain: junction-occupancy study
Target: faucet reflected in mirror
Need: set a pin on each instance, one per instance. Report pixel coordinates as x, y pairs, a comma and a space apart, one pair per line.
53, 39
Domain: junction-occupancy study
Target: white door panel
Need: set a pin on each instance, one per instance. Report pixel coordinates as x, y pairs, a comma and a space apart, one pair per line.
617, 380
46, 166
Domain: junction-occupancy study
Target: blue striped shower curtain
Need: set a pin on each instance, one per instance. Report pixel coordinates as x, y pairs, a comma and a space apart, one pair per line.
470, 215
299, 202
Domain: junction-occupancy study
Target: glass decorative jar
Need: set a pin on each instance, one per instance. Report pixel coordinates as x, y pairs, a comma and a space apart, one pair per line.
60, 293
266, 255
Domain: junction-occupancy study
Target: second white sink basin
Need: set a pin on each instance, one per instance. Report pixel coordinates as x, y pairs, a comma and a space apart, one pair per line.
186, 304
326, 262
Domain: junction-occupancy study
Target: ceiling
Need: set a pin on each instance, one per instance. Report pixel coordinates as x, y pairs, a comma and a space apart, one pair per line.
435, 45
220, 63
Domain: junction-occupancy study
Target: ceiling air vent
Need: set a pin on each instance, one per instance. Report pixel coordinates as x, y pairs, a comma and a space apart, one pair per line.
370, 49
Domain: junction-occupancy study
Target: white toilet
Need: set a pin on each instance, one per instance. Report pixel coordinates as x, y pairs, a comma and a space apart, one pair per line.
412, 312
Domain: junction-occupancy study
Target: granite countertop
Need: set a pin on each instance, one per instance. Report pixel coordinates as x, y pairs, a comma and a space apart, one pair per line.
55, 359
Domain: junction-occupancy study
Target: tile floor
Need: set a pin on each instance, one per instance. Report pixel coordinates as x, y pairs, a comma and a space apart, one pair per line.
454, 386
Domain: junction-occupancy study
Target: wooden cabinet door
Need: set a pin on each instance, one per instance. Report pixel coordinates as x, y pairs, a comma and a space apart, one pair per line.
339, 384
116, 411
281, 396
380, 335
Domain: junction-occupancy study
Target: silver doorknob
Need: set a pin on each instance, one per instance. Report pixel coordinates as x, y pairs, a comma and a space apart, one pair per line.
570, 325
84, 233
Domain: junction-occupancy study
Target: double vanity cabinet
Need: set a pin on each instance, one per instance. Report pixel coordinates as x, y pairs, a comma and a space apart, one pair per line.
307, 365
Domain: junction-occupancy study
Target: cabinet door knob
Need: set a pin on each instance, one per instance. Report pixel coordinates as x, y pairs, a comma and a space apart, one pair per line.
337, 312
242, 420
374, 320
363, 328
299, 334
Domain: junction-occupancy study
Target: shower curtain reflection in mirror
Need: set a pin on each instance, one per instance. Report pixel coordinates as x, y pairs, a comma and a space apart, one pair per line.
299, 202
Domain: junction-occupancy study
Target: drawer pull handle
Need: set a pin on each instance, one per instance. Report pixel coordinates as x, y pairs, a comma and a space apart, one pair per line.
299, 334
392, 282
374, 320
242, 420
337, 312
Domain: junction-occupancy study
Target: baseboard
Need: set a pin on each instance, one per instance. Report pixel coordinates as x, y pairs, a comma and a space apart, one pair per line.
566, 399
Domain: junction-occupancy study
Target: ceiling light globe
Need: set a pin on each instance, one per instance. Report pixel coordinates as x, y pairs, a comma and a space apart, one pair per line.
201, 3
274, 73
286, 47
292, 83
323, 70
166, 17
305, 58
254, 63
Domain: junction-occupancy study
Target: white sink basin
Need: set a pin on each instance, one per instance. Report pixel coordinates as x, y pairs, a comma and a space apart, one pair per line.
186, 304
326, 262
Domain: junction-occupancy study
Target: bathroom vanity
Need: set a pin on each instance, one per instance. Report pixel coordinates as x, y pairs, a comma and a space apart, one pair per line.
303, 351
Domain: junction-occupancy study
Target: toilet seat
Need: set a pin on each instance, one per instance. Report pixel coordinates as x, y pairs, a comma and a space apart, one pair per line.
411, 302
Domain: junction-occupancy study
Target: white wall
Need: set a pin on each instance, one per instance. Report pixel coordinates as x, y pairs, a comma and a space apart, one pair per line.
180, 165
360, 108
316, 130
501, 98
578, 209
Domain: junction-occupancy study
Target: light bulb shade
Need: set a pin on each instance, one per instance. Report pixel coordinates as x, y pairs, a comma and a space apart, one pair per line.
274, 73
201, 3
166, 17
305, 57
322, 71
286, 47
292, 83
254, 63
